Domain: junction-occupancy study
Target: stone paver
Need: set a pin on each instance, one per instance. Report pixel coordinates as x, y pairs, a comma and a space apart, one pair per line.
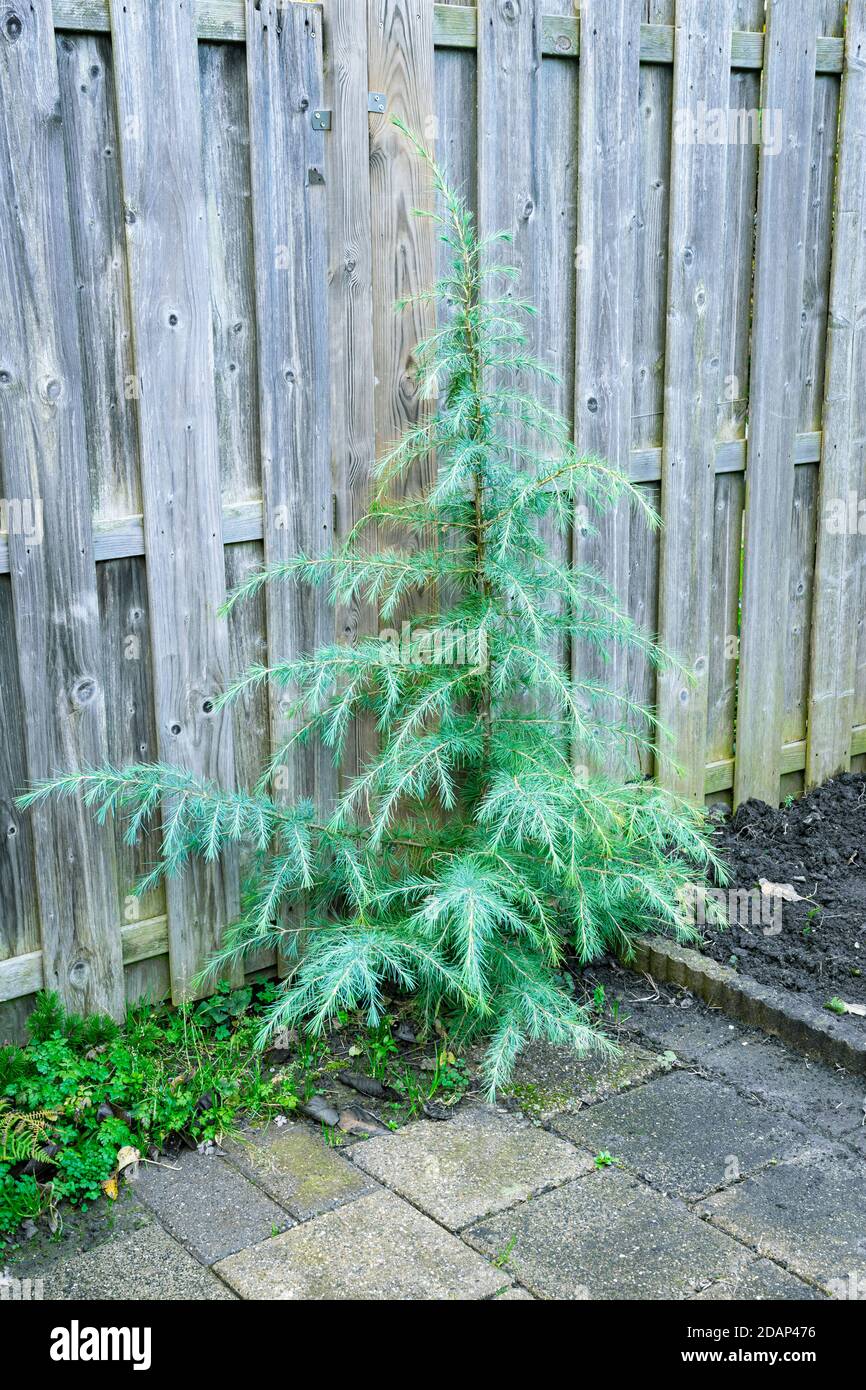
607, 1236
808, 1213
209, 1206
551, 1080
480, 1161
377, 1248
684, 1134
831, 1101
298, 1170
758, 1282
145, 1264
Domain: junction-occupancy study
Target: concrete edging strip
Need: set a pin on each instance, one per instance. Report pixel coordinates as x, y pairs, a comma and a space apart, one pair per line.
802, 1025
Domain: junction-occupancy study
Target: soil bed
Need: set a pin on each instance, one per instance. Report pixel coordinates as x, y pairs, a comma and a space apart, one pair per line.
817, 845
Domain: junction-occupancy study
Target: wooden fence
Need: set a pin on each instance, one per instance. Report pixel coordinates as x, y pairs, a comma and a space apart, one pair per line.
205, 219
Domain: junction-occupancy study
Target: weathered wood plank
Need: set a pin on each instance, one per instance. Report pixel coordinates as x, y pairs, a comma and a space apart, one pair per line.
25, 974
110, 408
827, 18
455, 26
156, 67
839, 553
516, 190
738, 213
19, 920
400, 63
692, 362
788, 87
606, 232
242, 521
96, 214
124, 618
226, 148
284, 83
653, 161
350, 271
44, 471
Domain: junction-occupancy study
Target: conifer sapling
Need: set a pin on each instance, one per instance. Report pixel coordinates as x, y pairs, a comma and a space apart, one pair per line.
469, 857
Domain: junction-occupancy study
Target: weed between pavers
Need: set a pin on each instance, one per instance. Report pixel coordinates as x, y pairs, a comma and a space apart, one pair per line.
86, 1100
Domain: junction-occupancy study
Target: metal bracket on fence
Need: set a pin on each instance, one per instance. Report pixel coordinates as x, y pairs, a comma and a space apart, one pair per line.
321, 120
376, 102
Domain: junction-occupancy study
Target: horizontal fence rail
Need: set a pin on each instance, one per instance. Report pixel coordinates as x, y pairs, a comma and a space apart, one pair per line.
201, 362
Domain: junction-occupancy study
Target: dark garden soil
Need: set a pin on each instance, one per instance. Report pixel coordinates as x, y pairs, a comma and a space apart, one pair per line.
817, 845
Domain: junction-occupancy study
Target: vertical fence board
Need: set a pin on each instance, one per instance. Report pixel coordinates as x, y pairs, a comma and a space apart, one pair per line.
509, 136
225, 136
702, 40
353, 434
654, 124
156, 68
400, 63
788, 87
833, 654
44, 460
606, 230
226, 148
738, 213
516, 192
284, 81
19, 919
108, 369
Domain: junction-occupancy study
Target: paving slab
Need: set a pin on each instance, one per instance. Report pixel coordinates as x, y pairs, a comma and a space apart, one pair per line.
480, 1161
607, 1236
145, 1264
377, 1248
685, 1134
551, 1080
208, 1205
758, 1282
297, 1169
824, 1098
808, 1213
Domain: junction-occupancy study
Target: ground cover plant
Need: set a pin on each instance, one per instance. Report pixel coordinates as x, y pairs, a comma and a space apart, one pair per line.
86, 1100
469, 856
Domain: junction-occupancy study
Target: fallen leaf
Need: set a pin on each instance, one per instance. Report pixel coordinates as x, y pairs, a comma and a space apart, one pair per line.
128, 1157
433, 1111
787, 891
109, 1187
318, 1109
367, 1085
356, 1120
858, 1009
